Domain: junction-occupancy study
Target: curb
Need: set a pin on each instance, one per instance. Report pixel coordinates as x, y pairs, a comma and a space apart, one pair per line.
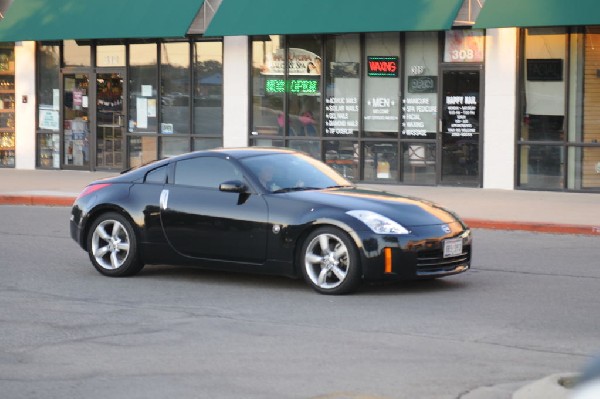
555, 386
537, 227
38, 200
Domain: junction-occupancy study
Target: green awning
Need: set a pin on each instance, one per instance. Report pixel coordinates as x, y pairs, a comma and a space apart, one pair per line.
107, 19
532, 13
266, 17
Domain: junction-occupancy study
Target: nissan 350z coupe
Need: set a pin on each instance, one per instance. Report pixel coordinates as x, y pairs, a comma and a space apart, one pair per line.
265, 210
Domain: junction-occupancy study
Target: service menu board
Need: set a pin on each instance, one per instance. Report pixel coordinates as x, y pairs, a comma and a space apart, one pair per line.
461, 116
418, 116
341, 116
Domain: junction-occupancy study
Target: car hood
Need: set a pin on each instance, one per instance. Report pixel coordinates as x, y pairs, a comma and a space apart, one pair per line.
408, 211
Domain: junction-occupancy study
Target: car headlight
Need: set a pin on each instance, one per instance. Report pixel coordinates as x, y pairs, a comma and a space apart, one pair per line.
378, 223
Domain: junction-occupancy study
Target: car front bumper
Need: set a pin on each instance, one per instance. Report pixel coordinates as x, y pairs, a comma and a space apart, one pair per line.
418, 255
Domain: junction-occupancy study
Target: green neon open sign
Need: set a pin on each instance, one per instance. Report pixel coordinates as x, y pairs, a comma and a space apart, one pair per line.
297, 86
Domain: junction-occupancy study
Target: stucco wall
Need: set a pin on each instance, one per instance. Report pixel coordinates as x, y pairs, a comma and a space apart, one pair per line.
235, 88
500, 109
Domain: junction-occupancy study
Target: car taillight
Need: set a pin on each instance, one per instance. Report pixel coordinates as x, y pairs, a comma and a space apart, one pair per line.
91, 189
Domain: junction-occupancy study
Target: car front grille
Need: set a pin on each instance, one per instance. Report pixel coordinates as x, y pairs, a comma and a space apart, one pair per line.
433, 261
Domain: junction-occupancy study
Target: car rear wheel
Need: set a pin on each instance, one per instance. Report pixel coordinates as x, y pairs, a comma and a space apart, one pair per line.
112, 246
330, 262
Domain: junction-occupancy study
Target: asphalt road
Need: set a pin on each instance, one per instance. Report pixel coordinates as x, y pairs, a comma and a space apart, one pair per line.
529, 308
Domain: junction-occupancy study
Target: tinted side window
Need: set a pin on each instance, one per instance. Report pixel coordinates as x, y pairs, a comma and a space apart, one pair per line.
158, 175
205, 172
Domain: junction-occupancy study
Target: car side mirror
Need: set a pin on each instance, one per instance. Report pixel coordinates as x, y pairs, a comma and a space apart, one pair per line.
233, 186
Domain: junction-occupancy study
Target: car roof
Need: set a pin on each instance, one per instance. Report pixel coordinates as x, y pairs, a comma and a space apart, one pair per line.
237, 153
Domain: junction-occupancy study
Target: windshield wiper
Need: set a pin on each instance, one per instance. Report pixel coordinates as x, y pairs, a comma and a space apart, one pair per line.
290, 189
341, 186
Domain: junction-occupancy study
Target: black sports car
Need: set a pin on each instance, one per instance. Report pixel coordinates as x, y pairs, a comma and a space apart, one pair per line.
264, 210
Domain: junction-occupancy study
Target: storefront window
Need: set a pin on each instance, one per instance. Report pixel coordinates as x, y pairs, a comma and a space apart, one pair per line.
342, 105
7, 105
584, 114
142, 149
343, 156
381, 161
110, 55
419, 105
208, 88
542, 166
48, 99
304, 92
171, 146
206, 143
545, 54
268, 86
587, 167
76, 54
143, 80
543, 102
311, 147
381, 103
175, 88
419, 162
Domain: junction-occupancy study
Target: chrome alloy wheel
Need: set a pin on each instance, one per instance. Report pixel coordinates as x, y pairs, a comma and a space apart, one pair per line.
326, 261
110, 244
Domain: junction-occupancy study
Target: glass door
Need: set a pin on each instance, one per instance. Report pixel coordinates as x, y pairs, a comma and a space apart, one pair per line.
110, 120
460, 127
76, 125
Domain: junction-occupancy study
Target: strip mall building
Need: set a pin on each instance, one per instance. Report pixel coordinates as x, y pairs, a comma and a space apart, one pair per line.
496, 94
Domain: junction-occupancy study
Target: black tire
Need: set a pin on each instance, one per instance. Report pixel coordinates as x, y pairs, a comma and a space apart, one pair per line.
329, 261
112, 246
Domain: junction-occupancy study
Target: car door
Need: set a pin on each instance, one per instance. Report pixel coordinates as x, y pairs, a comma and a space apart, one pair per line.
200, 221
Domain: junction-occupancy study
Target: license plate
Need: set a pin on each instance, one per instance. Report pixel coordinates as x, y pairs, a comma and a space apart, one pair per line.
453, 247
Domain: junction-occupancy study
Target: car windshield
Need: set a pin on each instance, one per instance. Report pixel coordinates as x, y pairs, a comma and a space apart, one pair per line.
279, 173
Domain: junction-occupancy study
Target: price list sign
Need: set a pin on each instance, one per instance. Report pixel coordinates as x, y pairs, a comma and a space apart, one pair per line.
341, 116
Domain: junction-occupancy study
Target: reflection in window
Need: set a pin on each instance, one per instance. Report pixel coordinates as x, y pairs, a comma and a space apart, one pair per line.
311, 147
75, 54
175, 88
143, 78
302, 86
170, 146
381, 161
542, 166
208, 88
343, 156
206, 143
419, 163
267, 87
142, 149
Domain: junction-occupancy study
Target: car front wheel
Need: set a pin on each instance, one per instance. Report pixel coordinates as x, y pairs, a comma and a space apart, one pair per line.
112, 246
330, 262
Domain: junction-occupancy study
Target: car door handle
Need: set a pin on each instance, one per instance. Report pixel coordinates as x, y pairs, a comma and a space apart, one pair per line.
164, 199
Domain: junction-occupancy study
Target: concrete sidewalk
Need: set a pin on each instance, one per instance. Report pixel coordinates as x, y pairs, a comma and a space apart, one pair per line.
552, 212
